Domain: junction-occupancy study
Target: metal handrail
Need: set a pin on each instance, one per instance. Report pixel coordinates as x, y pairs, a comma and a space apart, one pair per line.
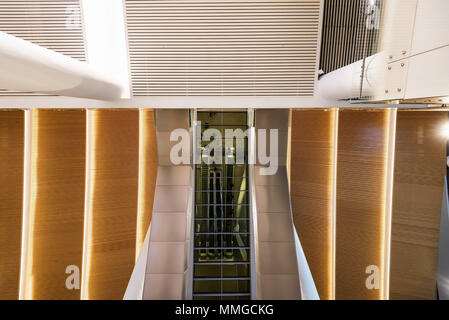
307, 285
134, 290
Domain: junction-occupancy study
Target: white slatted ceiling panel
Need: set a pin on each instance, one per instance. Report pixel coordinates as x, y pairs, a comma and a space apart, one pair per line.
52, 24
229, 48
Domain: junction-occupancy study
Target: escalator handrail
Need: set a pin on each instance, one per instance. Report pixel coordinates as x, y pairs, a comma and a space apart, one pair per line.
307, 285
134, 290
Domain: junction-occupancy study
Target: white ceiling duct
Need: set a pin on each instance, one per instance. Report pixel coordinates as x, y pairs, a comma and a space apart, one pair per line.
412, 65
28, 67
349, 83
223, 48
106, 47
55, 25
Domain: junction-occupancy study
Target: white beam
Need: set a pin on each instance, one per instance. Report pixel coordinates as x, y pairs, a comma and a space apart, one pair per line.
105, 36
26, 66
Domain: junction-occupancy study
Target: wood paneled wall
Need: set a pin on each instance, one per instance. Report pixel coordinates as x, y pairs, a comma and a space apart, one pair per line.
117, 225
113, 201
113, 225
148, 172
311, 183
59, 200
341, 238
360, 200
11, 187
419, 172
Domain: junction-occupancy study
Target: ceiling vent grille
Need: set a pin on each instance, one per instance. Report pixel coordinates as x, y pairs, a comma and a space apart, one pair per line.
223, 48
53, 24
350, 32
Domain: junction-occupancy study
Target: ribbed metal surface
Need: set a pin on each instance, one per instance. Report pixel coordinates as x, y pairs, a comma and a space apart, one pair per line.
345, 35
234, 47
52, 24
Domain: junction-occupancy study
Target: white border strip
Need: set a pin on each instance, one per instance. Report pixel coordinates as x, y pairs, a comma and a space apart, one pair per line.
191, 102
108, 53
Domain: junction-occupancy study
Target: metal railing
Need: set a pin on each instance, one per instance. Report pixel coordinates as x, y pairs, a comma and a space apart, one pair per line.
307, 285
134, 290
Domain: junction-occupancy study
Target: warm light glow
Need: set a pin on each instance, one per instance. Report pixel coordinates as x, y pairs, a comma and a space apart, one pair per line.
445, 130
88, 196
333, 204
29, 202
140, 232
390, 145
289, 149
25, 203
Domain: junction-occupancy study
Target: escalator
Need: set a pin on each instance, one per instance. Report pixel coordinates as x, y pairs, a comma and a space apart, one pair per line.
221, 258
221, 231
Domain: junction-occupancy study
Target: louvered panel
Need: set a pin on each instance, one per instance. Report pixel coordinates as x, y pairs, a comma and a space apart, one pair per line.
206, 47
53, 24
345, 36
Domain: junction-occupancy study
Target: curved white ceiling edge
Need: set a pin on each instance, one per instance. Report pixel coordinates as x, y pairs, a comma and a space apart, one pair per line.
344, 83
26, 66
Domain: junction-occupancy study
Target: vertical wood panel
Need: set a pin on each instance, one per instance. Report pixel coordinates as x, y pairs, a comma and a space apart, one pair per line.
147, 174
114, 196
58, 202
420, 162
11, 187
312, 160
360, 200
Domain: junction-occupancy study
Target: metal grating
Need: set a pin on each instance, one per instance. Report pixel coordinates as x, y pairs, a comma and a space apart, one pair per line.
350, 32
223, 48
53, 24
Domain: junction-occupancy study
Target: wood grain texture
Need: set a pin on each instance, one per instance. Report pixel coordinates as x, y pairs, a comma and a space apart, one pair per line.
420, 162
360, 200
59, 200
148, 173
114, 201
312, 149
11, 187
